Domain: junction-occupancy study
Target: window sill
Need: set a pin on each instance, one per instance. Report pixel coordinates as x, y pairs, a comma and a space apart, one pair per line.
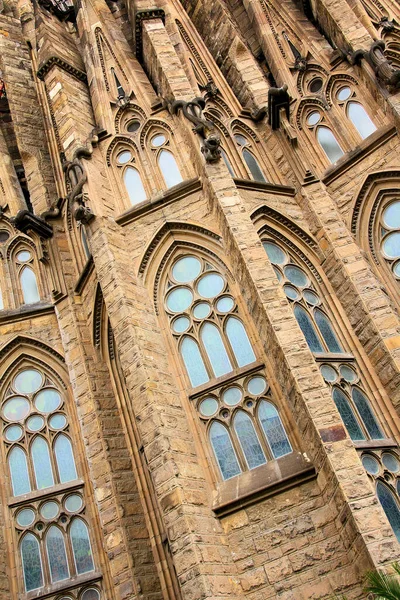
177, 192
63, 586
224, 379
60, 488
260, 186
366, 147
273, 478
371, 444
26, 311
331, 357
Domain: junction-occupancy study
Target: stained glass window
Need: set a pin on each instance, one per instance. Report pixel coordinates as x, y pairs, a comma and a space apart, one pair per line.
239, 341
56, 555
273, 429
19, 471
329, 143
42, 463
31, 562
215, 349
169, 168
81, 546
65, 459
391, 507
223, 450
347, 414
248, 439
366, 414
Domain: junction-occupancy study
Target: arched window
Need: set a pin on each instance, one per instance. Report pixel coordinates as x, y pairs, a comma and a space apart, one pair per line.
81, 547
31, 562
27, 277
273, 429
161, 148
227, 162
223, 450
56, 555
42, 463
315, 122
18, 470
308, 307
345, 96
85, 244
383, 468
248, 440
212, 341
126, 164
250, 160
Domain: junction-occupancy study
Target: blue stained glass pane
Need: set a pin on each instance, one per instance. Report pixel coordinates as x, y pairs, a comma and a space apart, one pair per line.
360, 119
65, 459
56, 554
169, 168
29, 286
327, 332
390, 506
19, 472
81, 547
253, 165
248, 439
367, 415
391, 245
211, 338
193, 362
186, 269
42, 464
308, 329
329, 144
275, 254
223, 450
239, 341
347, 415
273, 429
31, 562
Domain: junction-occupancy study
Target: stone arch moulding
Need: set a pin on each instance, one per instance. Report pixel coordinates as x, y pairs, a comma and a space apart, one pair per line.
131, 107
169, 237
119, 139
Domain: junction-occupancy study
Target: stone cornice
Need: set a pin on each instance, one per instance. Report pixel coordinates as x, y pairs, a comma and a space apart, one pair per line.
59, 62
259, 186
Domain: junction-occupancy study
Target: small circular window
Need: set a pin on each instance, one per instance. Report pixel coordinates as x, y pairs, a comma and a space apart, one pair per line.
158, 140
313, 118
4, 235
315, 85
133, 126
344, 93
124, 157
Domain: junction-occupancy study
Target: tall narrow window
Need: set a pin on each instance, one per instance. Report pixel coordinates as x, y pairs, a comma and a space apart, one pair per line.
31, 562
215, 349
239, 341
347, 414
248, 440
85, 244
193, 361
329, 144
273, 429
19, 470
249, 158
160, 147
57, 555
81, 546
29, 286
228, 163
391, 507
65, 459
42, 463
223, 450
346, 98
134, 185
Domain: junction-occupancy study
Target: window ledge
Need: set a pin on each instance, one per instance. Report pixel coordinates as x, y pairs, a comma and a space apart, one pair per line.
258, 186
45, 493
26, 311
366, 147
224, 379
270, 479
371, 444
63, 586
177, 192
333, 357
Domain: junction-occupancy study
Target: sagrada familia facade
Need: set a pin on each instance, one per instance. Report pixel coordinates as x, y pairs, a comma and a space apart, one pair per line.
200, 305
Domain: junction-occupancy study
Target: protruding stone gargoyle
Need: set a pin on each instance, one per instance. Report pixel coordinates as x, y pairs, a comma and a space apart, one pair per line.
193, 111
278, 98
76, 178
384, 70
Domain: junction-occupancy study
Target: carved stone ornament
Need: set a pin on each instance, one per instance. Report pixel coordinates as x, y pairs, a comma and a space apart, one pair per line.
383, 69
76, 178
193, 111
278, 99
386, 24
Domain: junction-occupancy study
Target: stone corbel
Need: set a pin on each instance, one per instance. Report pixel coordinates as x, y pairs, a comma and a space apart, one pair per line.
193, 111
383, 69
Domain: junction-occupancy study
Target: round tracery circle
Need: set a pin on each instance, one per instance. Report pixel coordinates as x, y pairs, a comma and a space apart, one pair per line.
391, 245
124, 157
201, 310
47, 400
275, 254
232, 396
370, 464
328, 373
13, 433
313, 118
390, 462
24, 256
16, 409
344, 93
58, 421
35, 422
28, 381
158, 140
208, 407
256, 385
291, 292
25, 517
315, 85
73, 503
179, 299
225, 304
347, 373
49, 510
133, 126
210, 285
90, 594
296, 276
4, 235
186, 269
311, 297
396, 269
391, 215
180, 324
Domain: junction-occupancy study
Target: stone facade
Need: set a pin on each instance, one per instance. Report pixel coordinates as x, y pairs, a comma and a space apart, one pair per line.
258, 143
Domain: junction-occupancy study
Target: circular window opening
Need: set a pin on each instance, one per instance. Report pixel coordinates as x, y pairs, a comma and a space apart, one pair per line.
158, 140
124, 157
133, 126
313, 118
315, 85
344, 93
4, 235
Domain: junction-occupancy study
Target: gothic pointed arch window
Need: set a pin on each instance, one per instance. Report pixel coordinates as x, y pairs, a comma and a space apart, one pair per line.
164, 157
242, 424
338, 367
26, 274
130, 173
47, 496
248, 153
345, 96
316, 123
